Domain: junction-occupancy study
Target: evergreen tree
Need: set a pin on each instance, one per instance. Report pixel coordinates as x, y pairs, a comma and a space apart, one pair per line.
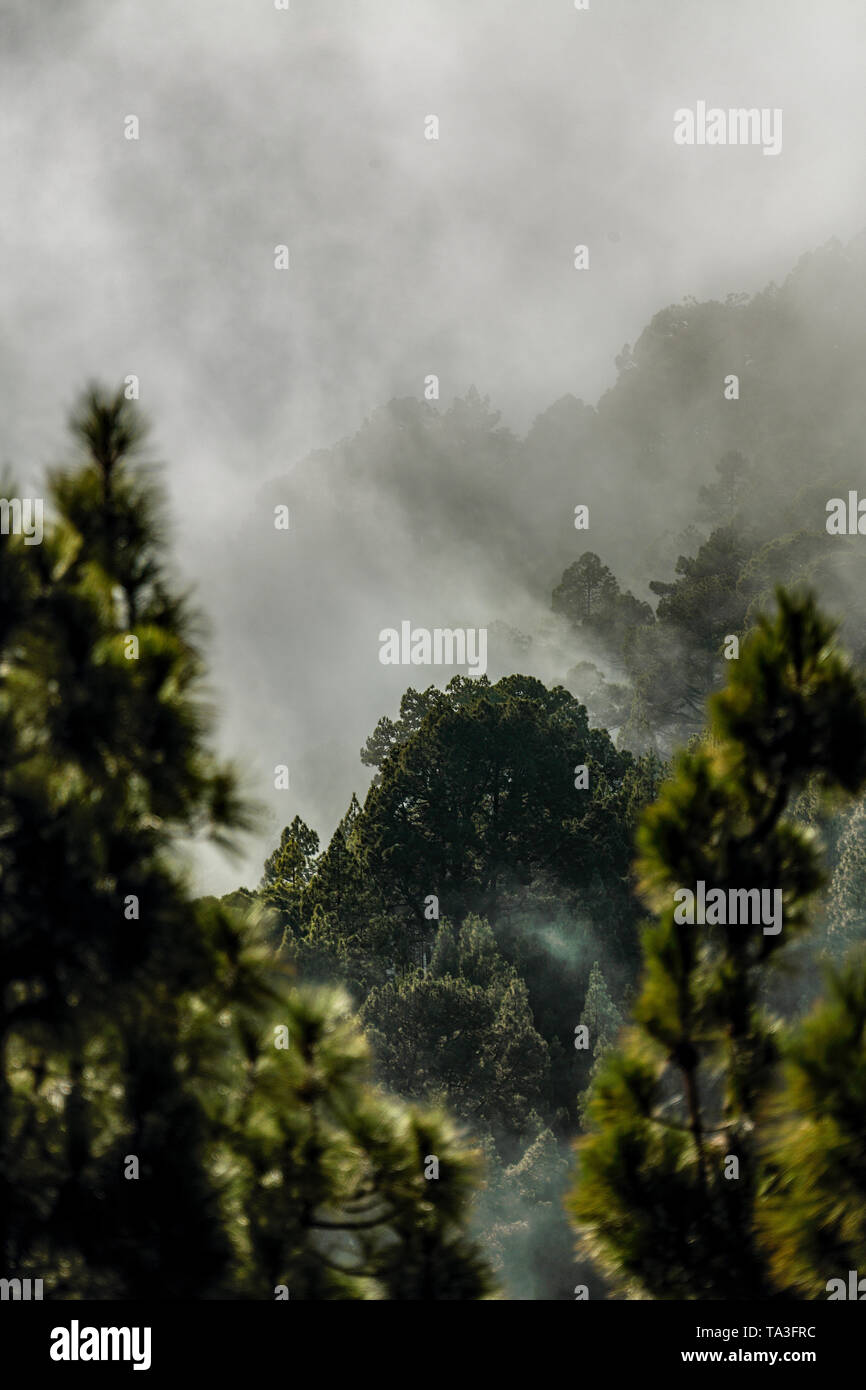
286, 874
462, 1033
521, 1208
600, 1015
480, 801
812, 1218
677, 662
156, 1139
293, 862
589, 596
586, 588
603, 1020
658, 1198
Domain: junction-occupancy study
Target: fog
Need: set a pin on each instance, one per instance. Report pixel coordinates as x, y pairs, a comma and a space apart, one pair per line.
408, 257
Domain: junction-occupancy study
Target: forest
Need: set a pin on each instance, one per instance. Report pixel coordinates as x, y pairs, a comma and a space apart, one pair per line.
462, 1046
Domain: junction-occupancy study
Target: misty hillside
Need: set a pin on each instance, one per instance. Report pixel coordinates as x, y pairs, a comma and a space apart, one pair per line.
437, 513
799, 351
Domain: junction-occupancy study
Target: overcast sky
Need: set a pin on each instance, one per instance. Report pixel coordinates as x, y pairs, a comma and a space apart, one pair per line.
408, 256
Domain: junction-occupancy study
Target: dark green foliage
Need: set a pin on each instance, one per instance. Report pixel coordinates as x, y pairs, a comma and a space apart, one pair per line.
462, 1031
480, 801
603, 1021
685, 1091
675, 664
812, 1218
287, 872
140, 1027
474, 805
589, 597
520, 1213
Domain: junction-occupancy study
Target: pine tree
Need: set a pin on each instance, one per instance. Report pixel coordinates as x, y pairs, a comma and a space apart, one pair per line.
104, 763
603, 1020
286, 874
812, 1218
176, 1119
293, 862
463, 1032
599, 1014
658, 1199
